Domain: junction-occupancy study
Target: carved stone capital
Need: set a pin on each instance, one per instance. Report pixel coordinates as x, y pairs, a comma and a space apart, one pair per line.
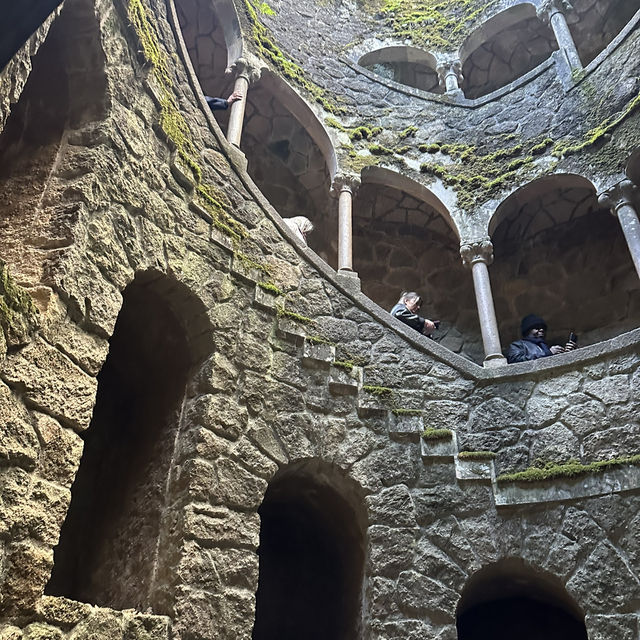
619, 195
548, 8
477, 251
450, 70
249, 67
345, 182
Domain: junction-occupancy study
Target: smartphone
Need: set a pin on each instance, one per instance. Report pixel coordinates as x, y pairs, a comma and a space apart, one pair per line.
437, 323
573, 337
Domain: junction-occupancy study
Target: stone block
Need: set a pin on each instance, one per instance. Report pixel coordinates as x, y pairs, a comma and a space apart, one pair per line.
62, 612
474, 470
419, 595
405, 425
236, 487
392, 507
555, 443
289, 329
445, 414
52, 382
345, 382
41, 631
444, 448
18, 440
31, 565
618, 627
610, 390
390, 550
496, 414
318, 355
264, 299
218, 414
61, 450
371, 405
221, 526
246, 271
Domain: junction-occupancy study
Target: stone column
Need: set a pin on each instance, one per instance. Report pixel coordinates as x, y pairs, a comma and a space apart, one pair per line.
619, 200
450, 75
477, 255
553, 13
245, 74
345, 187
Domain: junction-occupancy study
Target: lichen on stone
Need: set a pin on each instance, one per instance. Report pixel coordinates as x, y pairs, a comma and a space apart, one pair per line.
437, 434
19, 316
476, 455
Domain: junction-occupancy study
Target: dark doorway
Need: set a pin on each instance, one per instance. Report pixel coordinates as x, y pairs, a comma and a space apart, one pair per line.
110, 550
311, 560
511, 600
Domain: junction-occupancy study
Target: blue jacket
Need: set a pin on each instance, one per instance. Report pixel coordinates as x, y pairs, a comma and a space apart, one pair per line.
526, 349
403, 314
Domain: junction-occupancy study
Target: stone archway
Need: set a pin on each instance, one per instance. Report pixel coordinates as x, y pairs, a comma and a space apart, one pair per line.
510, 599
112, 549
66, 92
559, 255
312, 551
504, 48
407, 65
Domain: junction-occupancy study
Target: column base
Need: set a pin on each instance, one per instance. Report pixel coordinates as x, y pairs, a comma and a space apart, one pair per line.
494, 360
349, 280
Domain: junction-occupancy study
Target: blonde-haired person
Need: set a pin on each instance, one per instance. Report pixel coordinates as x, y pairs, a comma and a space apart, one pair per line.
300, 226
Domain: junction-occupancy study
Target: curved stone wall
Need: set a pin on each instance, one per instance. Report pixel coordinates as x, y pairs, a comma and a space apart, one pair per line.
292, 369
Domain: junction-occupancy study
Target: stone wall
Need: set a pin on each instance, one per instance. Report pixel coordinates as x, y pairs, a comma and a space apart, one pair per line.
287, 367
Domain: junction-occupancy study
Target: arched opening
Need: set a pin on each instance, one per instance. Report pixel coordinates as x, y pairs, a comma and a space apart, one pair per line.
561, 256
504, 48
404, 240
112, 544
211, 33
291, 159
312, 549
65, 91
510, 599
594, 25
406, 65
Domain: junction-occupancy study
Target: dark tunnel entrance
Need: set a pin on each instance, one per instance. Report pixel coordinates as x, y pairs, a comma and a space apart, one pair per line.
311, 558
511, 600
111, 547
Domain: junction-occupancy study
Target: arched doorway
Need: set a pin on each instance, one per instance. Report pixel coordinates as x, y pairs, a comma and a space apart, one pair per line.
112, 549
560, 255
312, 549
510, 599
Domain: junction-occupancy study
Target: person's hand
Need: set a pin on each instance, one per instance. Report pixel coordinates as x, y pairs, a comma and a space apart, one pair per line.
556, 349
429, 328
570, 346
234, 97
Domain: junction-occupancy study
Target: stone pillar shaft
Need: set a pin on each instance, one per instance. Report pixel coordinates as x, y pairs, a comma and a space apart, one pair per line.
236, 114
450, 75
552, 11
345, 229
620, 201
478, 255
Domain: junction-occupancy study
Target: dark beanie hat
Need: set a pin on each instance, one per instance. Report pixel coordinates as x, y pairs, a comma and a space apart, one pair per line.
532, 321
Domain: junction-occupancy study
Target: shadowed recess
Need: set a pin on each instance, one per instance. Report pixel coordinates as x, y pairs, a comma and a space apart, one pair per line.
112, 542
311, 556
512, 600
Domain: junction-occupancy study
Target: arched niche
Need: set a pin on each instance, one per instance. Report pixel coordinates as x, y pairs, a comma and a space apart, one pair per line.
407, 65
510, 599
114, 547
595, 23
561, 256
504, 48
403, 240
312, 554
291, 158
65, 92
212, 35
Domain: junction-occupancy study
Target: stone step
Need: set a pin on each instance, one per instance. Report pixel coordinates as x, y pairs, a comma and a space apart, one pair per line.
318, 355
345, 382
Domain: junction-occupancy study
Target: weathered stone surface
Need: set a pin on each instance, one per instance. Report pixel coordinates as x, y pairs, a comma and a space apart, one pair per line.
613, 443
40, 631
216, 413
555, 443
542, 410
392, 507
61, 450
444, 414
52, 383
396, 464
582, 419
609, 390
607, 627
147, 627
419, 595
604, 583
18, 440
102, 624
237, 487
219, 525
390, 550
561, 386
30, 569
62, 612
495, 414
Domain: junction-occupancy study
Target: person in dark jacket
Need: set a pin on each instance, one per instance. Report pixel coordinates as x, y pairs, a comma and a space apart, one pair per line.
406, 310
215, 104
533, 345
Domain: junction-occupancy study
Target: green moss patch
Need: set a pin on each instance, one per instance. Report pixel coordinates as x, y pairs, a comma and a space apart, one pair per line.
476, 455
292, 315
269, 50
570, 469
437, 434
440, 24
347, 365
380, 392
269, 287
18, 314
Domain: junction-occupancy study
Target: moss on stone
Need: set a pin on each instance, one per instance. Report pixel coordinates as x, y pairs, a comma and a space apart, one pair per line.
18, 314
361, 132
439, 24
379, 150
320, 340
251, 264
570, 469
269, 50
269, 287
380, 392
437, 434
476, 455
409, 132
347, 365
569, 147
292, 315
406, 412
